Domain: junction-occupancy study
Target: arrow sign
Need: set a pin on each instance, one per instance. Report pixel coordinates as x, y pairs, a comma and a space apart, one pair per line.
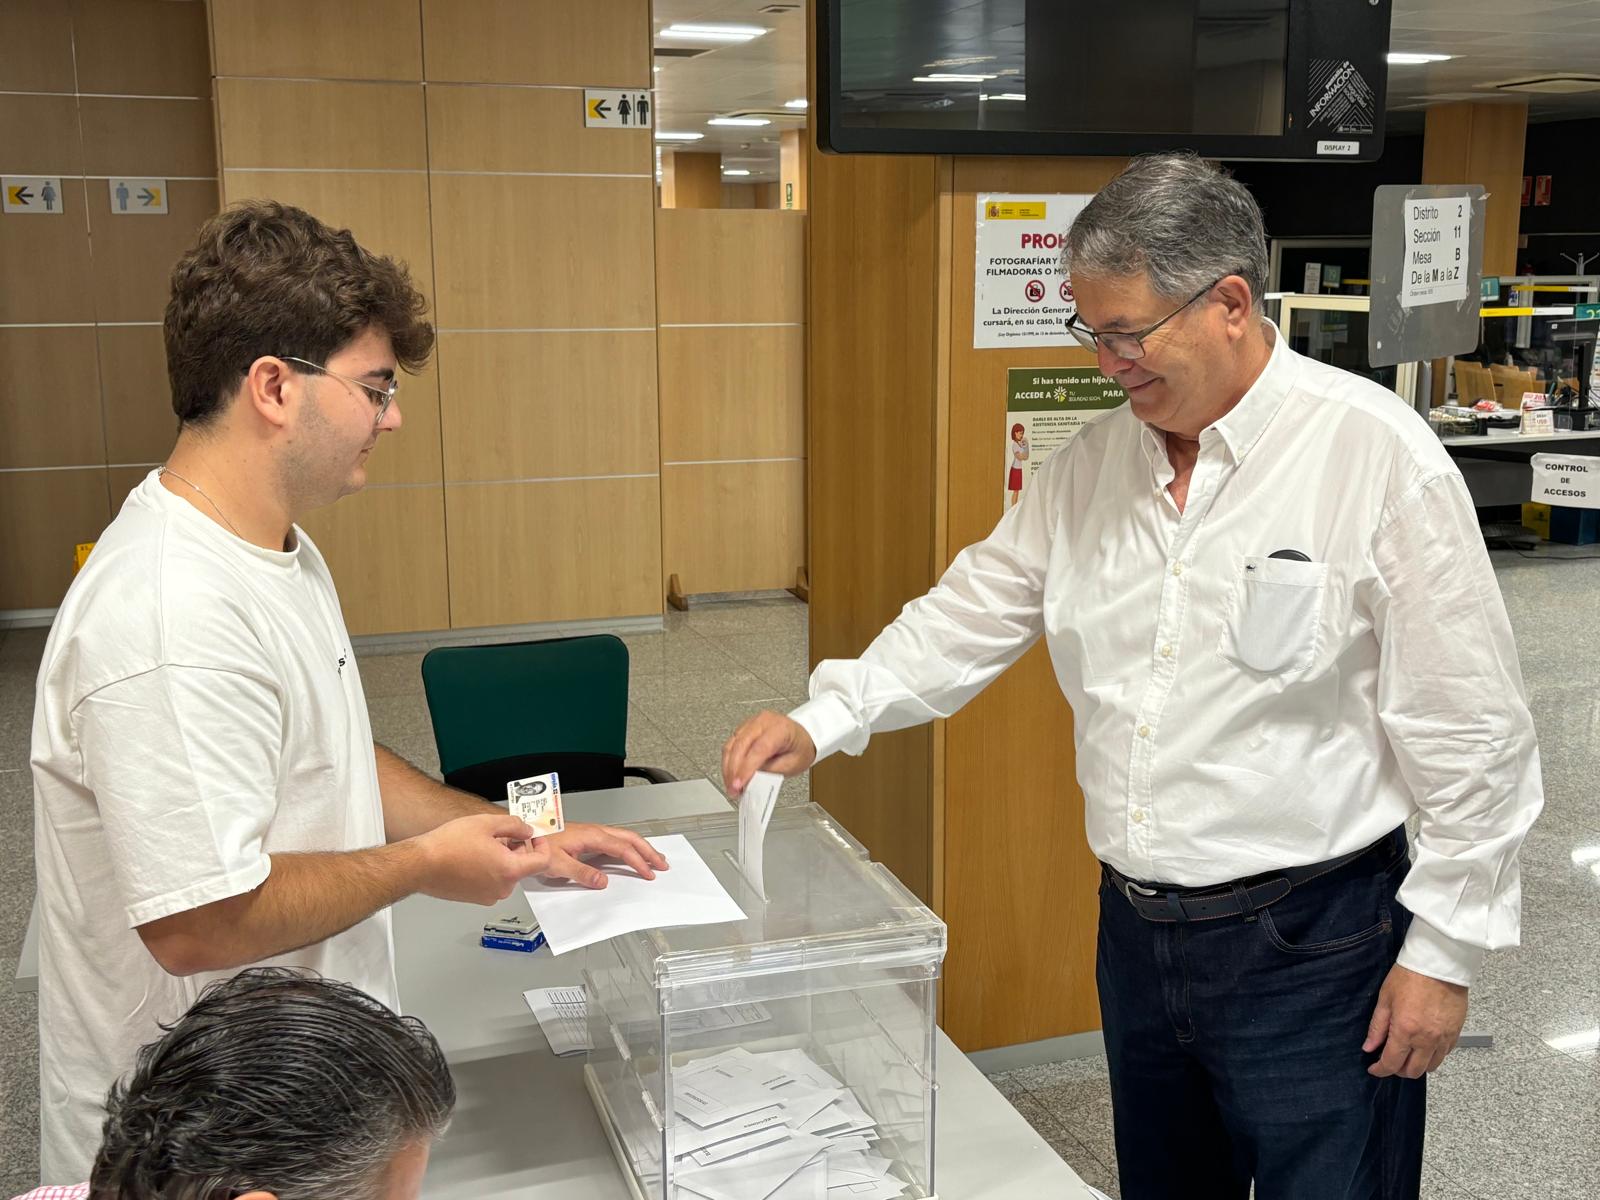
613, 108
137, 197
31, 194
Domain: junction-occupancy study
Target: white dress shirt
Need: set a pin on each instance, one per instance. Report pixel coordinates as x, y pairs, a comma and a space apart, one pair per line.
1237, 713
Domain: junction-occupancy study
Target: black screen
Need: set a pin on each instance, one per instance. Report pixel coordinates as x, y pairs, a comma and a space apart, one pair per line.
1146, 66
1288, 79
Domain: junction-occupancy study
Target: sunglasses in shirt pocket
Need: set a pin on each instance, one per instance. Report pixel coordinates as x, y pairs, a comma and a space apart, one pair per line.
1274, 624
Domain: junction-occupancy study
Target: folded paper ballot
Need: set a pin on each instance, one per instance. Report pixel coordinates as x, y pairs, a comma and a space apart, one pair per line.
688, 893
793, 1132
755, 810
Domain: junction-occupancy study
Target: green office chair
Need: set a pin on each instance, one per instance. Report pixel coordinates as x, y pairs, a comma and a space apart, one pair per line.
506, 712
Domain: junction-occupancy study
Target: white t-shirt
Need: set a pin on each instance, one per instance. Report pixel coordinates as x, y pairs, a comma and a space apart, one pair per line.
198, 710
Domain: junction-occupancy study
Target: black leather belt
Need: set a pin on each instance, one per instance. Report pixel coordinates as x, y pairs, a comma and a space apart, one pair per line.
1242, 897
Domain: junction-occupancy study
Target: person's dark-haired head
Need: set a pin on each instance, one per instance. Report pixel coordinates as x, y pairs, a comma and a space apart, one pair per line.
267, 279
277, 1084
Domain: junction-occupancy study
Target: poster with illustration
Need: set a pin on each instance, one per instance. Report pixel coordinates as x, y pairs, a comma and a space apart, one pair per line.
1045, 407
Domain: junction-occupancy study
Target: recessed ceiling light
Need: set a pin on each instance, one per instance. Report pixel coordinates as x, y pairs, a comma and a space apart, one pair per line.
950, 78
802, 102
734, 171
1407, 59
738, 121
1005, 96
663, 135
713, 33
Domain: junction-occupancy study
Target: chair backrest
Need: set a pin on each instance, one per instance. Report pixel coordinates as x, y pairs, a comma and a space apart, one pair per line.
1512, 383
500, 712
1473, 383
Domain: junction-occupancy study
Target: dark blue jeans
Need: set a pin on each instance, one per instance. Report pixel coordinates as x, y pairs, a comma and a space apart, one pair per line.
1235, 1046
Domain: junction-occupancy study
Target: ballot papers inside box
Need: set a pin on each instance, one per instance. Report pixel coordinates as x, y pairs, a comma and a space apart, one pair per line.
788, 1056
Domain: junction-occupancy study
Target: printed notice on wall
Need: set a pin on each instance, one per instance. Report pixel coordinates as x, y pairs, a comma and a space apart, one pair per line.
1436, 242
1045, 408
1566, 479
1020, 294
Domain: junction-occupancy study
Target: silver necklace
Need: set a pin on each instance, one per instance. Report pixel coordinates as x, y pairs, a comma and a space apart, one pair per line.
169, 471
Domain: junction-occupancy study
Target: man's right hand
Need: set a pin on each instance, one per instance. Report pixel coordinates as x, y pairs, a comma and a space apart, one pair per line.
768, 741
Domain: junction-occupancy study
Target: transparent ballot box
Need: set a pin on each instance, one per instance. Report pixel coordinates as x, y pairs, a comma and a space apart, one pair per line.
796, 1045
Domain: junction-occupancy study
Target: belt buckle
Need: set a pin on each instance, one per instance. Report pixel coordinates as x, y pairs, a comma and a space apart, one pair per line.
1129, 887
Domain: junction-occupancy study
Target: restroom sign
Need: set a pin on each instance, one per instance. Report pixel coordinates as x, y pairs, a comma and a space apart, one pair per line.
32, 194
614, 108
137, 197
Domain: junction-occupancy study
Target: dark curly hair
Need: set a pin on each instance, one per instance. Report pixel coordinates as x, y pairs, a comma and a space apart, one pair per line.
276, 1080
265, 278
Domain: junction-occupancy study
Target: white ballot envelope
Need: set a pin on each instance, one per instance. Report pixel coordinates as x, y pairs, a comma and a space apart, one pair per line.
573, 916
755, 810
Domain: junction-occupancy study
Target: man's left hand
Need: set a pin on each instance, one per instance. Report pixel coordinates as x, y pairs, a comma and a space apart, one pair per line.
1417, 1022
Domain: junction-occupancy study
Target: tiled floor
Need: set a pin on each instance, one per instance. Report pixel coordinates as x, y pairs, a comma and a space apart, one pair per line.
1519, 1120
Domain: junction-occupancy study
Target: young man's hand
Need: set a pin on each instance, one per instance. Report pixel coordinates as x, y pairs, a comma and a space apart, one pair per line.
480, 859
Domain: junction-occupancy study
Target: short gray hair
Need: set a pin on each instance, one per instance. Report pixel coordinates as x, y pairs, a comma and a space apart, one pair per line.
275, 1080
1180, 221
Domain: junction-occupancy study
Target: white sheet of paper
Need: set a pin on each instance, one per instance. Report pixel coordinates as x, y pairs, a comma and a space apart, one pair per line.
855, 1166
810, 1182
744, 1143
688, 1139
687, 894
563, 1014
789, 1067
755, 810
757, 1175
886, 1188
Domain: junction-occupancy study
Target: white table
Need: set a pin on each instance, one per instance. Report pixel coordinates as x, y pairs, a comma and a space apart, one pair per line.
508, 1081
1502, 437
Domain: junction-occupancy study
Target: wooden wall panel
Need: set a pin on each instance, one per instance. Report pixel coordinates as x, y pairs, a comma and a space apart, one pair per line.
733, 527
313, 39
386, 549
387, 213
47, 513
411, 453
1482, 142
566, 253
600, 43
121, 481
548, 405
1013, 744
732, 393
873, 291
143, 48
133, 256
522, 552
53, 249
691, 179
338, 126
146, 137
40, 135
49, 398
37, 35
140, 423
474, 128
704, 263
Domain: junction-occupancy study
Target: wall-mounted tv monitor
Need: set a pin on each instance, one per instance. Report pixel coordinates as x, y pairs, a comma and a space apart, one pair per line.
1262, 79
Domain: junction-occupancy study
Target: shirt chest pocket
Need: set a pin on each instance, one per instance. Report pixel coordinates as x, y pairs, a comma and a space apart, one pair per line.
1274, 621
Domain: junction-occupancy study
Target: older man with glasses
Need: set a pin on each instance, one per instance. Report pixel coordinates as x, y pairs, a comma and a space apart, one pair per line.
1252, 580
208, 793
